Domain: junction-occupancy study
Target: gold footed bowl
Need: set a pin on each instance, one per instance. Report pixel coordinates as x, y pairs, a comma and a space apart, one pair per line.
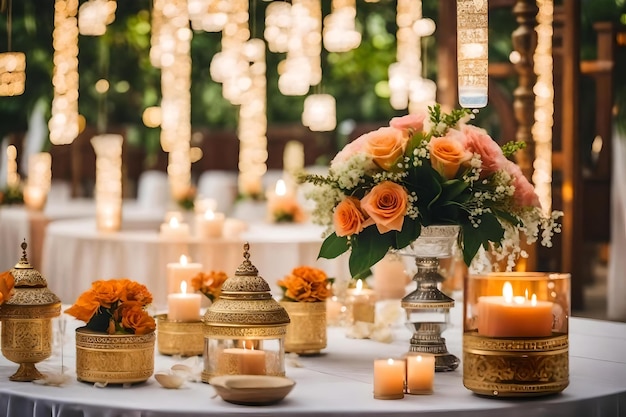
26, 342
499, 367
185, 338
306, 334
115, 358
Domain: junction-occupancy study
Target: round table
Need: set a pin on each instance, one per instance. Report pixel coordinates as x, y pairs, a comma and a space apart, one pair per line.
338, 383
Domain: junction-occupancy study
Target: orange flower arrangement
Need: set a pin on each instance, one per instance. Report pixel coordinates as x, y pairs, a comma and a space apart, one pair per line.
209, 284
7, 281
286, 210
305, 284
115, 306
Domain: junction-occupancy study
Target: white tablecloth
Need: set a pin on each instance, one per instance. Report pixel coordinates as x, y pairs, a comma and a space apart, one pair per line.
75, 254
339, 383
18, 223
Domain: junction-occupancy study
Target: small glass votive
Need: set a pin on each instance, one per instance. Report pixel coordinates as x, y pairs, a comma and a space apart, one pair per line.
515, 339
361, 304
389, 378
420, 373
184, 338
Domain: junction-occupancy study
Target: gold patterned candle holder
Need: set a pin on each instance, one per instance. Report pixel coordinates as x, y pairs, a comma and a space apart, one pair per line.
184, 338
516, 344
244, 329
306, 334
27, 320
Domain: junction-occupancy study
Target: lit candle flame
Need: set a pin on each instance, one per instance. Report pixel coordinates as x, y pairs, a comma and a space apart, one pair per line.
533, 300
183, 287
209, 215
281, 188
174, 223
507, 292
359, 285
389, 361
183, 260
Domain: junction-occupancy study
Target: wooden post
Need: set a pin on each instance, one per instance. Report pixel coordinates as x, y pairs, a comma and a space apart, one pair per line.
572, 234
524, 43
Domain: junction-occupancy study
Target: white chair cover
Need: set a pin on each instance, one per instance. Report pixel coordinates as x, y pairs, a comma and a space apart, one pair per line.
220, 186
153, 189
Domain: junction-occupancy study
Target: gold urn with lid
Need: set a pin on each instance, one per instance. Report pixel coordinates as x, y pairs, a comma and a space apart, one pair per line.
244, 329
27, 320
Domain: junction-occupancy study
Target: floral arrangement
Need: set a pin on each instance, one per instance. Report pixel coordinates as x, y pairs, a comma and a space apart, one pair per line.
285, 210
305, 284
427, 168
187, 200
209, 284
11, 195
7, 281
115, 306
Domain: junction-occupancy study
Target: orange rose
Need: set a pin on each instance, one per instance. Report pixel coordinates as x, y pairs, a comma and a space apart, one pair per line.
107, 292
134, 317
85, 307
447, 153
134, 291
7, 281
385, 145
348, 219
386, 204
306, 284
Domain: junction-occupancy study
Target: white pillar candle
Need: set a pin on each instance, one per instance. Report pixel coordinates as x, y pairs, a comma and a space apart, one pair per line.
389, 375
182, 306
242, 362
210, 224
420, 373
178, 272
174, 229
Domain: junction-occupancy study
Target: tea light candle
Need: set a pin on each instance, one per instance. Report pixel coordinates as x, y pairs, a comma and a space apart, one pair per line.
175, 229
210, 225
182, 306
34, 197
389, 377
420, 373
240, 361
362, 303
181, 271
513, 316
390, 277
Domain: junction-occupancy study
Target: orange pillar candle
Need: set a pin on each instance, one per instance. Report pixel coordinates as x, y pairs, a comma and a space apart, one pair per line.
420, 373
362, 303
238, 361
513, 316
210, 224
182, 306
389, 375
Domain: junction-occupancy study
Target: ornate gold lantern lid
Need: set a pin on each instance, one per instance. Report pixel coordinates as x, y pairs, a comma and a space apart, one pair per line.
31, 288
245, 302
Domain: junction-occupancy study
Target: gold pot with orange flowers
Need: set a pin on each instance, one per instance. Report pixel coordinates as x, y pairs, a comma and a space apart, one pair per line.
305, 291
116, 346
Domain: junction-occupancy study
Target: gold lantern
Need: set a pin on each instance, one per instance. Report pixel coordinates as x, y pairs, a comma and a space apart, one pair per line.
26, 320
244, 329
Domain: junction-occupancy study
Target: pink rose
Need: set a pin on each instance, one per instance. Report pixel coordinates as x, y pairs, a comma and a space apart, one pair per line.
448, 153
478, 141
349, 150
386, 204
525, 195
385, 146
412, 122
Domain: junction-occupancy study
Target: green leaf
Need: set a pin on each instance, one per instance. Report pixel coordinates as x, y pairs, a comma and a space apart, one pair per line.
333, 246
411, 230
471, 243
369, 248
452, 189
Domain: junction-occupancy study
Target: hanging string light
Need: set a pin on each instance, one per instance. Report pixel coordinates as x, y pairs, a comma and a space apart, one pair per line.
277, 26
95, 15
544, 105
340, 34
64, 122
12, 65
472, 53
320, 112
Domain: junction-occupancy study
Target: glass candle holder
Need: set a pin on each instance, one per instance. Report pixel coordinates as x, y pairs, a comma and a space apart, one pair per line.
244, 329
515, 340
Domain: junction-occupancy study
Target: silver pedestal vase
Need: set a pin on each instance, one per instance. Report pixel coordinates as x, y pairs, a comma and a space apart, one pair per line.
427, 308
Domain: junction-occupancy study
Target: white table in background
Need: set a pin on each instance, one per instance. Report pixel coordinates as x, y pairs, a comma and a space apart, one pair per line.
75, 254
